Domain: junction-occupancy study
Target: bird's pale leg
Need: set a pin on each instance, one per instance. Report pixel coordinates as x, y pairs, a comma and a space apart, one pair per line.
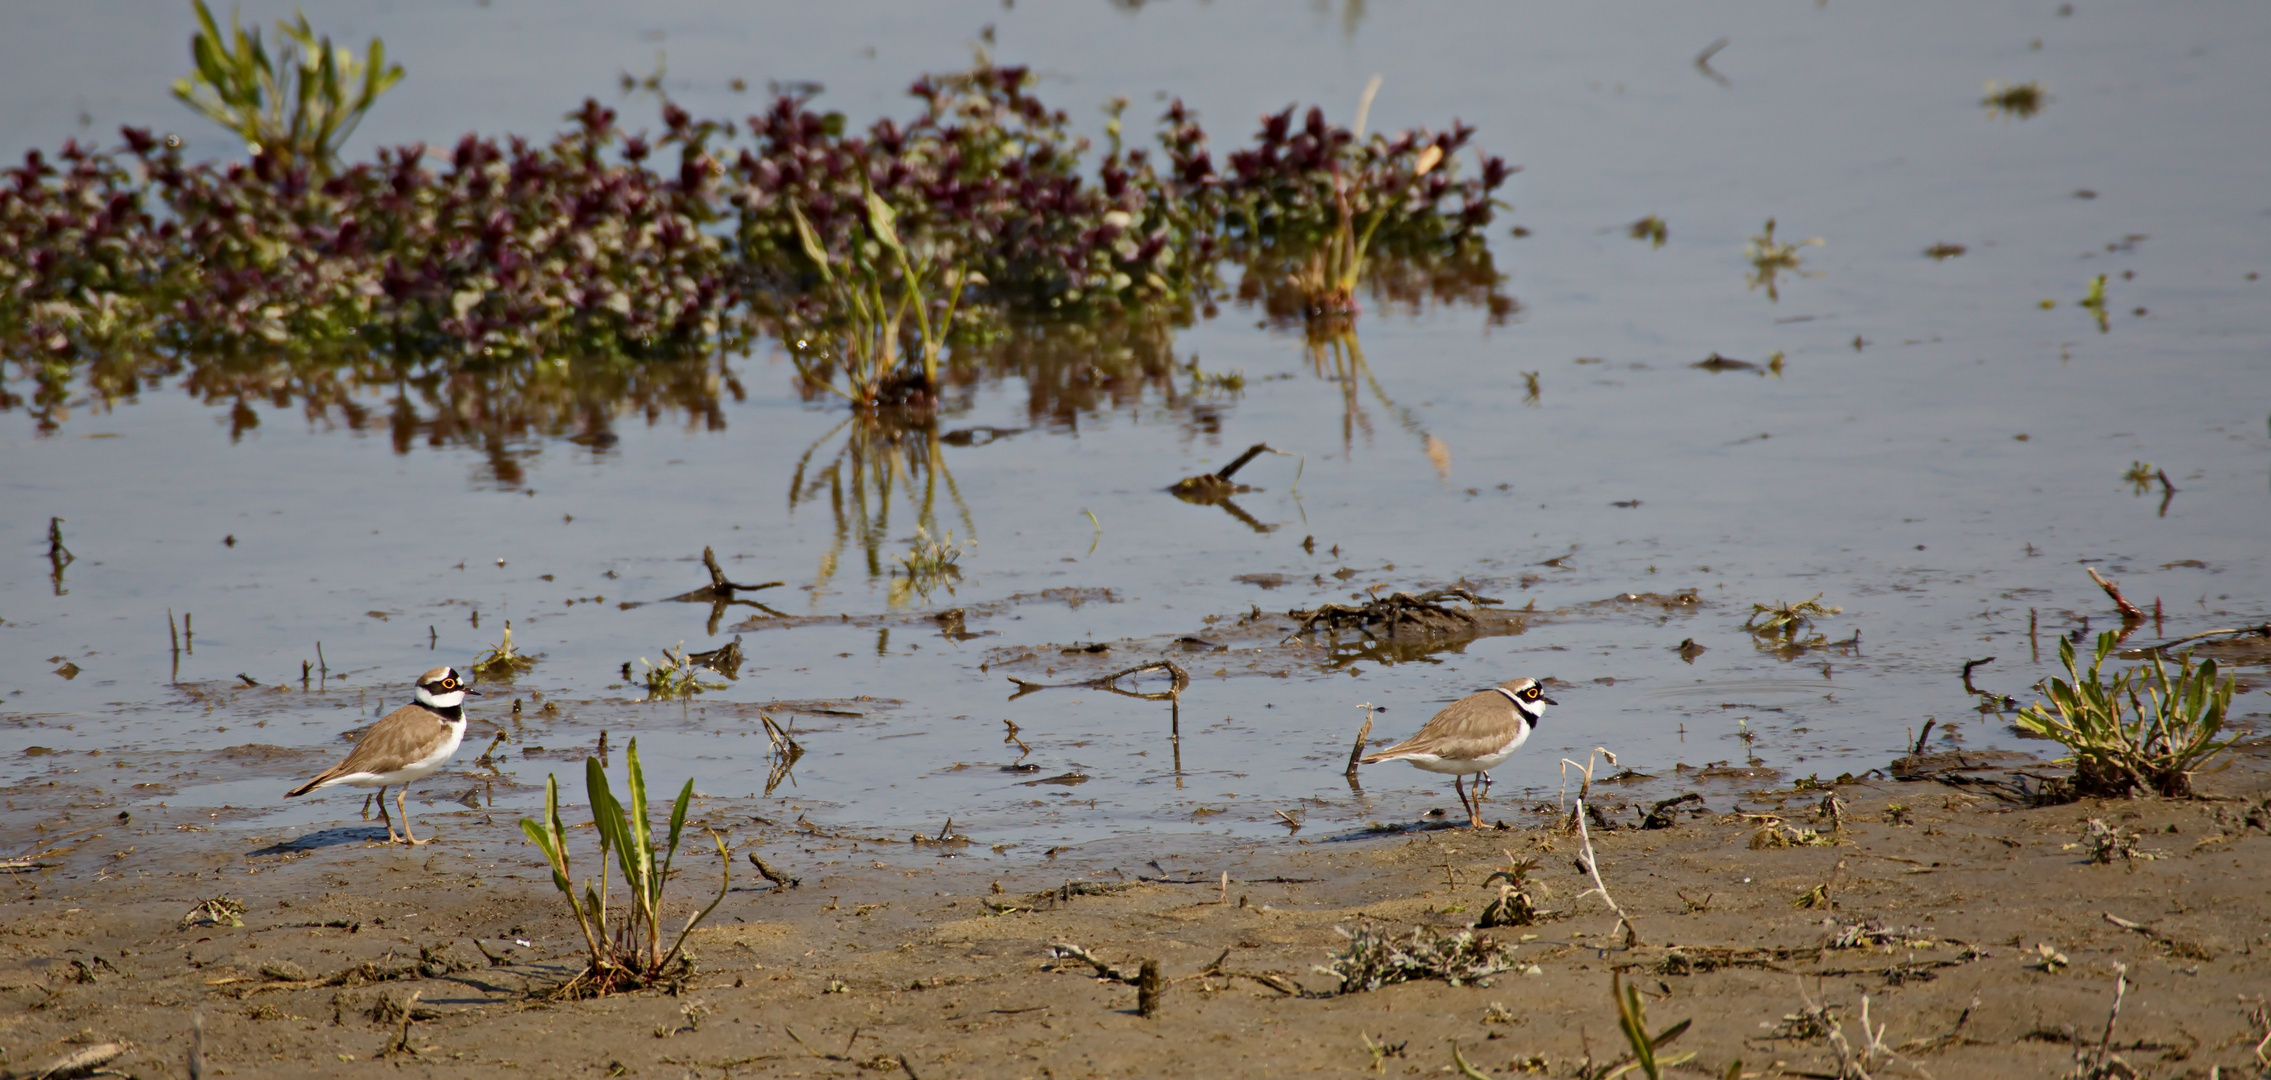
1482, 781
400, 794
1458, 788
390, 837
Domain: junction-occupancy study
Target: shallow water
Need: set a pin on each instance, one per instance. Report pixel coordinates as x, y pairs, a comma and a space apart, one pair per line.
1883, 466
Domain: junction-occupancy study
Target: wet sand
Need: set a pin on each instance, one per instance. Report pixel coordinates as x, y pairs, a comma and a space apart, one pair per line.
889, 959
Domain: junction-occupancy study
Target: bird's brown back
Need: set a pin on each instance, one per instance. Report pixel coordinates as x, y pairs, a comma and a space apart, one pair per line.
1473, 726
397, 740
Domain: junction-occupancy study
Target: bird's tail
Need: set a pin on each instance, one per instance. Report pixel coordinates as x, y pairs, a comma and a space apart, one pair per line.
310, 785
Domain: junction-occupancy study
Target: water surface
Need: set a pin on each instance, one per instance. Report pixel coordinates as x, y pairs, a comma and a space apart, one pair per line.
1938, 454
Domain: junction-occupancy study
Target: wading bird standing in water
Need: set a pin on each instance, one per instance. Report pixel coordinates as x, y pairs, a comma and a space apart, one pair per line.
1474, 734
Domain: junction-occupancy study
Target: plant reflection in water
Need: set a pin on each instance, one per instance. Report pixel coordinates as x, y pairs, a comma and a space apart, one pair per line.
880, 457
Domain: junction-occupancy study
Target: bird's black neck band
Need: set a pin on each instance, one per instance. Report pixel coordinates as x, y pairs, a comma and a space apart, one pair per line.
1529, 718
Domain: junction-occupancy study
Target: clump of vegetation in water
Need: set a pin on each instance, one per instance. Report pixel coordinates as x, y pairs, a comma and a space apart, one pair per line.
507, 261
1651, 229
2020, 100
503, 661
1770, 257
2146, 730
676, 678
1785, 620
859, 349
930, 564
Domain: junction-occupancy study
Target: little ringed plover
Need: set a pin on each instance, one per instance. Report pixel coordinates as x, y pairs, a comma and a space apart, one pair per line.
1473, 734
409, 744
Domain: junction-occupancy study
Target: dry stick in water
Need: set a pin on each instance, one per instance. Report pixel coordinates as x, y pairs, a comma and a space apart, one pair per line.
1217, 484
1357, 751
720, 588
2129, 612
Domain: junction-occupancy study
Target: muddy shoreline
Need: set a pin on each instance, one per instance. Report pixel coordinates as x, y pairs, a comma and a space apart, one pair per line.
1933, 901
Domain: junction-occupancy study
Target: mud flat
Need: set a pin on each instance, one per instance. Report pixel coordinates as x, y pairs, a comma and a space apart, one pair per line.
1981, 936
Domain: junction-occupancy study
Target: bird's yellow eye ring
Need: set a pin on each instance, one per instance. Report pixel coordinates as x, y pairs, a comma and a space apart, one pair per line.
449, 684
1533, 693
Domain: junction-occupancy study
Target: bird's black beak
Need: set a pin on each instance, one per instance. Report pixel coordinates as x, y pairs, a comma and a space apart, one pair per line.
1549, 701
472, 691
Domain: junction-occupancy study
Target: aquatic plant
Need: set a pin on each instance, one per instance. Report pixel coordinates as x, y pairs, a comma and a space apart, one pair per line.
2145, 730
1651, 229
512, 262
2094, 303
868, 299
625, 952
1313, 201
1785, 620
503, 661
296, 109
1770, 257
930, 564
676, 678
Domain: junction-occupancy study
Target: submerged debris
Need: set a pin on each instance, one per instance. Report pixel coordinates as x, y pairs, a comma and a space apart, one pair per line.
719, 589
1179, 680
1386, 617
1213, 487
2019, 100
725, 659
1651, 229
